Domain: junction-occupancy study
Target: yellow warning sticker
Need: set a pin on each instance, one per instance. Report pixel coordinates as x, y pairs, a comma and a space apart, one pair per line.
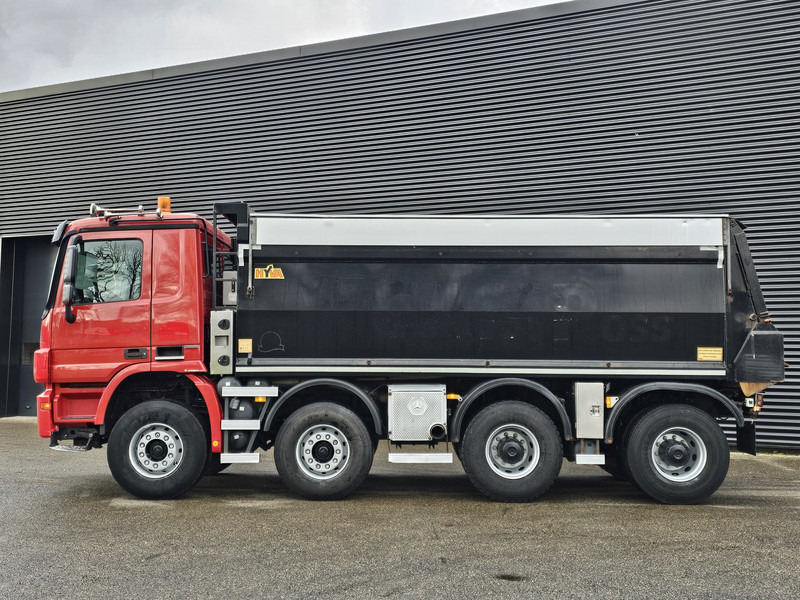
269, 272
712, 354
245, 345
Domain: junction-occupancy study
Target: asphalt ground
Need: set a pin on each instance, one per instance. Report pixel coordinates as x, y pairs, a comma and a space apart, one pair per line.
68, 531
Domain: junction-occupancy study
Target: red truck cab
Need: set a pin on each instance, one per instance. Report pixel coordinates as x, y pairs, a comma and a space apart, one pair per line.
136, 301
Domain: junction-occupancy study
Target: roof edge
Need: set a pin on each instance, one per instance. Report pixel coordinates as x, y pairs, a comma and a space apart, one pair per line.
527, 14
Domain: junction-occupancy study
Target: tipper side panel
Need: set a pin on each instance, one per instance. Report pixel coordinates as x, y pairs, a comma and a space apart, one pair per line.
448, 305
491, 310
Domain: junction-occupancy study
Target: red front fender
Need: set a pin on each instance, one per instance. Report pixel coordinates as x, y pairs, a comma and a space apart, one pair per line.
204, 385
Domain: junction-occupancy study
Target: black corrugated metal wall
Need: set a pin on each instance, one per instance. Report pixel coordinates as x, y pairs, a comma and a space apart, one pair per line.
648, 107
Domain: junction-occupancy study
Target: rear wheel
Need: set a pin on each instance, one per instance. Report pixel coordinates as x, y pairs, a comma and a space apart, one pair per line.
677, 454
157, 450
511, 451
323, 451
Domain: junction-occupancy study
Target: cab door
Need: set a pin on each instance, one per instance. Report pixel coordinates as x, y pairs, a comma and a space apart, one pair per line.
110, 306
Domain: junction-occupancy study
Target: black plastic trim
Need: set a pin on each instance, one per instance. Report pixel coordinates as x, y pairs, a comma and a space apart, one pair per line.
749, 271
337, 383
636, 391
480, 389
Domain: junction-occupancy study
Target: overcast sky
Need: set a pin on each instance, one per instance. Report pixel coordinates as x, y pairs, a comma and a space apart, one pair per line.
52, 41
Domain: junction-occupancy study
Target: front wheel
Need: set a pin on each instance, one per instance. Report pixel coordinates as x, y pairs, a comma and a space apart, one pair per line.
512, 451
157, 450
677, 454
323, 451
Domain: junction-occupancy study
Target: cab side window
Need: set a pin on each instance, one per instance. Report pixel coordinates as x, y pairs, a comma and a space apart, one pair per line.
109, 271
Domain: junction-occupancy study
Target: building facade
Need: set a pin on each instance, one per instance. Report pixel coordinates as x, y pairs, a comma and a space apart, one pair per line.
592, 106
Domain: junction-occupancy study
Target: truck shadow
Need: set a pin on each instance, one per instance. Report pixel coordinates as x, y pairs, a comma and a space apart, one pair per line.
569, 488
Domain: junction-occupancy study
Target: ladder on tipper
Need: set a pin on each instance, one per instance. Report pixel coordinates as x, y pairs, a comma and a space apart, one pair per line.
225, 273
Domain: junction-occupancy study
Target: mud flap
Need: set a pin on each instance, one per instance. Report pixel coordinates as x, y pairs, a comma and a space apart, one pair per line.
746, 437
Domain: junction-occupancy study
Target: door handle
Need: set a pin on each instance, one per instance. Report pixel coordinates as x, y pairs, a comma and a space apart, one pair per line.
131, 353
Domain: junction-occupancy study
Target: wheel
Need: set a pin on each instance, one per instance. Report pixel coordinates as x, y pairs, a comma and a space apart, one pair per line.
511, 451
158, 450
323, 451
677, 454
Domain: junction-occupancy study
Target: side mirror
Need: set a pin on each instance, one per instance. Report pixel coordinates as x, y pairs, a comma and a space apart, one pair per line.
68, 293
70, 264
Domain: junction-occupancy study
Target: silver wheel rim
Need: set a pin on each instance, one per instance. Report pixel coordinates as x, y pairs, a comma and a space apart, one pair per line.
678, 454
512, 451
323, 452
156, 451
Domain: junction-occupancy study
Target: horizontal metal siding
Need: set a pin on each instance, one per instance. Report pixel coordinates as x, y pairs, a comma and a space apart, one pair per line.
658, 106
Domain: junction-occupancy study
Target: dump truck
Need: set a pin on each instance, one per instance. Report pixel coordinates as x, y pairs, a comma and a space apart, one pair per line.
184, 344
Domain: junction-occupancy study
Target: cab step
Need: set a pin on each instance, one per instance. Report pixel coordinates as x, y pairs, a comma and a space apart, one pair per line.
84, 447
240, 425
239, 457
421, 457
590, 459
60, 448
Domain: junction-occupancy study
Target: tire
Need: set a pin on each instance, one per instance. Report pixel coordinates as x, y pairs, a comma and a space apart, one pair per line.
527, 462
677, 454
323, 451
159, 430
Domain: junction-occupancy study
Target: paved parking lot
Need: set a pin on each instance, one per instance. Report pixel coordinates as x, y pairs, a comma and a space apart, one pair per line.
411, 532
